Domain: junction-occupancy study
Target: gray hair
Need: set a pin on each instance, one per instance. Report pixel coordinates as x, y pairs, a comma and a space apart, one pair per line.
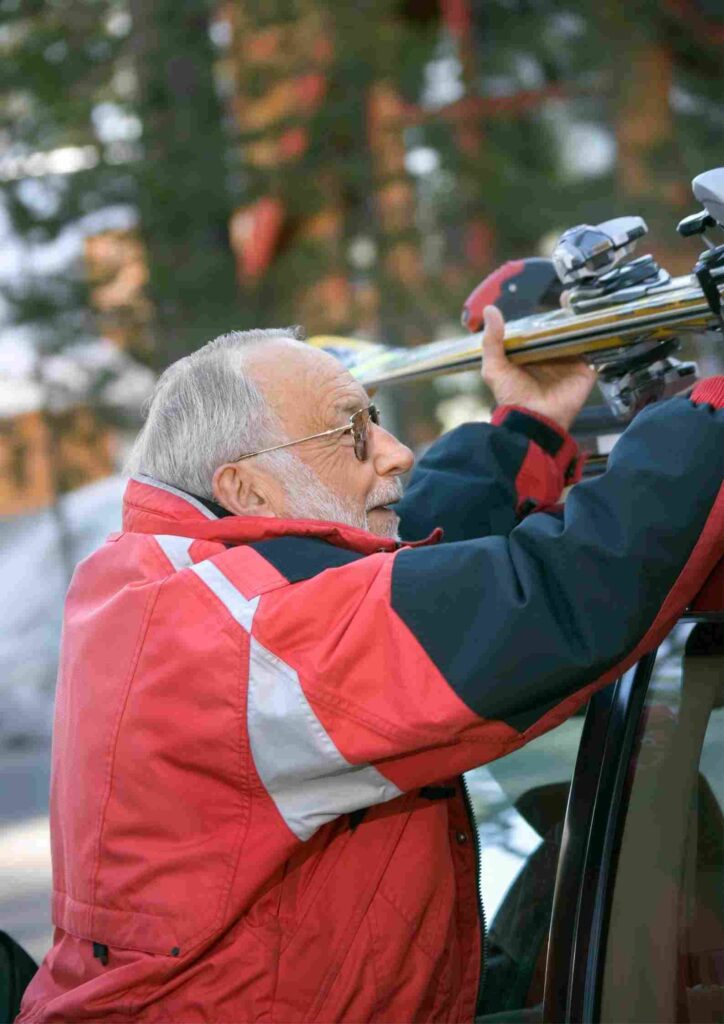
205, 410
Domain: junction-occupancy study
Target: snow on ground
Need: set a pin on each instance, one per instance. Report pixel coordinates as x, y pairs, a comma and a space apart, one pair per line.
25, 885
31, 601
25, 875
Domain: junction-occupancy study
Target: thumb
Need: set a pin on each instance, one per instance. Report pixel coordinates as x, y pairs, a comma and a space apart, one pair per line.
494, 339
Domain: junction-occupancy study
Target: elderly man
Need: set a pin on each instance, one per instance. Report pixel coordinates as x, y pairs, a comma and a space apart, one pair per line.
265, 700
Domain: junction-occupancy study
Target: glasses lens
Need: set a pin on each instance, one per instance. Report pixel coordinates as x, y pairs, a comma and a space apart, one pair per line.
360, 429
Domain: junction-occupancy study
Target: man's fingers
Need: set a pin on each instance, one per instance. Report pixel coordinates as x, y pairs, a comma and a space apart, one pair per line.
493, 341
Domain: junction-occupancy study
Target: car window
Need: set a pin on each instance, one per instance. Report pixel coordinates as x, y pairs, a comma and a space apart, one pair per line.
665, 946
519, 804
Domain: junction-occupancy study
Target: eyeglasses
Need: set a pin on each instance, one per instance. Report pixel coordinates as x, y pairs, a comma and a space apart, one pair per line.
358, 427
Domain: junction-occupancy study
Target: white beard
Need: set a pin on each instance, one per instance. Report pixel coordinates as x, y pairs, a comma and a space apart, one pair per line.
309, 498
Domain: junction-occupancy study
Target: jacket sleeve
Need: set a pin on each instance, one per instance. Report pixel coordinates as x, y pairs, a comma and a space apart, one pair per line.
427, 662
479, 479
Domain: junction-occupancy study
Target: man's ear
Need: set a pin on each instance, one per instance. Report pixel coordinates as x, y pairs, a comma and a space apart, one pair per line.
243, 490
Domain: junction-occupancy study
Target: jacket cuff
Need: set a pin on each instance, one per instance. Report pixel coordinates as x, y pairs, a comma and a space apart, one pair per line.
710, 391
554, 460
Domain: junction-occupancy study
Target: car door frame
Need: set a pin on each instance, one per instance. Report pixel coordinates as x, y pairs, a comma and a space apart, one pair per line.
593, 827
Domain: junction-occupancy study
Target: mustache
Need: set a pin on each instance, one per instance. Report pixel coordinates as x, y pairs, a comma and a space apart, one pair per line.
385, 494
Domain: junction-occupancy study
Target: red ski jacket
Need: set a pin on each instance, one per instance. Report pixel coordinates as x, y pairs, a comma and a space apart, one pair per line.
255, 805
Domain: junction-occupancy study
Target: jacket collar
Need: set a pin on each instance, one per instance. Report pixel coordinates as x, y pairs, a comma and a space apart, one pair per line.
150, 506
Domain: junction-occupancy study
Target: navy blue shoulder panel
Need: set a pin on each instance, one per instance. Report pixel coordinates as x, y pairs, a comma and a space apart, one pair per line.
515, 624
465, 483
300, 558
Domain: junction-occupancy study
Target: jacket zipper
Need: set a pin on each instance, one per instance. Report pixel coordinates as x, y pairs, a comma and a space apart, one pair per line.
479, 887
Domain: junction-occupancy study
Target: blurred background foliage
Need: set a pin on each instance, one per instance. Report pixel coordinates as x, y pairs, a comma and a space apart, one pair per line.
171, 169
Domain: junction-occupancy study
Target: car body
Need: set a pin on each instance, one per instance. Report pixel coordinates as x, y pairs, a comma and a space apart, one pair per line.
611, 905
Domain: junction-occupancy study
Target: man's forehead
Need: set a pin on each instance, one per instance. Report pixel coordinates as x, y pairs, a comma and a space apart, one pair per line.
300, 380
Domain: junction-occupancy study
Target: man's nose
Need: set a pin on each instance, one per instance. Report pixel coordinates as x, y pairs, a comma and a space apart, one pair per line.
390, 457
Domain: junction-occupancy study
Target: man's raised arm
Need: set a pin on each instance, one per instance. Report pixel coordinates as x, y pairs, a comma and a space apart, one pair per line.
479, 479
439, 658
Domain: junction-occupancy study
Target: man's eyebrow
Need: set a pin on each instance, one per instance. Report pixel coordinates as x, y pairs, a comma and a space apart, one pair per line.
351, 405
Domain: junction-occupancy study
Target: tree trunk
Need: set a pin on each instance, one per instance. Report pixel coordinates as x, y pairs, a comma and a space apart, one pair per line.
182, 181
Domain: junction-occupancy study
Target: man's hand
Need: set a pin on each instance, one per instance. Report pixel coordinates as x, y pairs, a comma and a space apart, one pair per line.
556, 388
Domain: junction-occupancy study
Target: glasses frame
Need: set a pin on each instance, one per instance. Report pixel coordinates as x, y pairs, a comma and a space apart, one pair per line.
357, 426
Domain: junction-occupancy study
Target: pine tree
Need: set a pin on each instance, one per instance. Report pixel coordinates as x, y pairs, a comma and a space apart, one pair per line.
61, 70
183, 179
60, 73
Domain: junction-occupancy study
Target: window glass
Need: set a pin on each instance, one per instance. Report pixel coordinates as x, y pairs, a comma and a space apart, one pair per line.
665, 946
520, 803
